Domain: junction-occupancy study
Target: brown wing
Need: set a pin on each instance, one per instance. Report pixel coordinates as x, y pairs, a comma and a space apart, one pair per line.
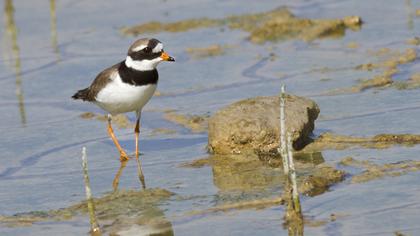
101, 80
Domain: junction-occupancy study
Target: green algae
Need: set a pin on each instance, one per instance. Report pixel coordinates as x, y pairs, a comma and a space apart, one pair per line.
374, 171
276, 25
195, 123
180, 26
413, 41
159, 131
412, 83
210, 51
109, 207
340, 142
389, 61
386, 68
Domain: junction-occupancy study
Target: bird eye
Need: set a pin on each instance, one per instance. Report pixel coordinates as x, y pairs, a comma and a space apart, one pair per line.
147, 49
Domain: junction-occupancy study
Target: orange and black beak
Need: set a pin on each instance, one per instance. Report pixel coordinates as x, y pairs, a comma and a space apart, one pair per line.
166, 57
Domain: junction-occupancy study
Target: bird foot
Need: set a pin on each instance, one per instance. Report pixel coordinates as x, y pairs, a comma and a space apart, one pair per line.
124, 156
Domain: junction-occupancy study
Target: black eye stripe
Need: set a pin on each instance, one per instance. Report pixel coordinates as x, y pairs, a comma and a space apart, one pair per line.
141, 55
147, 52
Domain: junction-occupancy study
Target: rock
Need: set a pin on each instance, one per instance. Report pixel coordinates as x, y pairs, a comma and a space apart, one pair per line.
252, 125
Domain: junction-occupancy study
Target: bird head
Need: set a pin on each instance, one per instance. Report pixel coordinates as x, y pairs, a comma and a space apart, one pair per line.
145, 54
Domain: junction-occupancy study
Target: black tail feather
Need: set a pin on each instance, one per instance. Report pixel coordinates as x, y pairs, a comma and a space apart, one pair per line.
81, 94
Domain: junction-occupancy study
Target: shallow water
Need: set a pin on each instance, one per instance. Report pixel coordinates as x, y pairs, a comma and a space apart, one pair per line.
50, 51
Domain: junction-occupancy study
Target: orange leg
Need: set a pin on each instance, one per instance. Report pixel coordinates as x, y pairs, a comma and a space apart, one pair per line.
139, 169
116, 181
123, 155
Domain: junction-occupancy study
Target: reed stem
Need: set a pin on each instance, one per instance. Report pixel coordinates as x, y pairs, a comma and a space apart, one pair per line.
292, 176
283, 149
94, 226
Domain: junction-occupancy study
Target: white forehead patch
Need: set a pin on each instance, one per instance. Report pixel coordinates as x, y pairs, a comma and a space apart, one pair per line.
139, 48
158, 48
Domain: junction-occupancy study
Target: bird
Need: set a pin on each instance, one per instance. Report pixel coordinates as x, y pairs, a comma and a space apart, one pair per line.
127, 86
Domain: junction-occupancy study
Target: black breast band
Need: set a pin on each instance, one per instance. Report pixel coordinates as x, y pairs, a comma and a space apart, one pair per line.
136, 77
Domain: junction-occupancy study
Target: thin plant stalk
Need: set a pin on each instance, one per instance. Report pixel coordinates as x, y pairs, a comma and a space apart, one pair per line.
53, 26
12, 35
292, 176
95, 230
283, 149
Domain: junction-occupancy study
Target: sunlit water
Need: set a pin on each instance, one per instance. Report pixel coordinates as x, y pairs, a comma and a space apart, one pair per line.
51, 50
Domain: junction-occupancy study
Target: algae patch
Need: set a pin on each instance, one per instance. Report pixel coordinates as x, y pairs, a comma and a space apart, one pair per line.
195, 123
210, 51
385, 68
412, 83
413, 41
380, 141
374, 171
353, 45
158, 131
179, 26
275, 25
388, 65
251, 204
109, 207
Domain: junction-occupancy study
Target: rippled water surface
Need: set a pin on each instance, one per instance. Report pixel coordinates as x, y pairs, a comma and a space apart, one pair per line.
50, 49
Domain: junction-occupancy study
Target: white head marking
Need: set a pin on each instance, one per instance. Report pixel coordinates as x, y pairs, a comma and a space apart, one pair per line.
139, 48
142, 65
158, 48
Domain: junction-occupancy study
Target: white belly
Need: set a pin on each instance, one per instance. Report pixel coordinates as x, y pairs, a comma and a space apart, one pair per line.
119, 97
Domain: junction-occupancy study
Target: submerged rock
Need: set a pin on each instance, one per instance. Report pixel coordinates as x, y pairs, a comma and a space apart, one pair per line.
252, 125
240, 178
320, 179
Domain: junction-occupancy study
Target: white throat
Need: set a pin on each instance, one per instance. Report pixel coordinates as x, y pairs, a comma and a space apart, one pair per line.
142, 65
